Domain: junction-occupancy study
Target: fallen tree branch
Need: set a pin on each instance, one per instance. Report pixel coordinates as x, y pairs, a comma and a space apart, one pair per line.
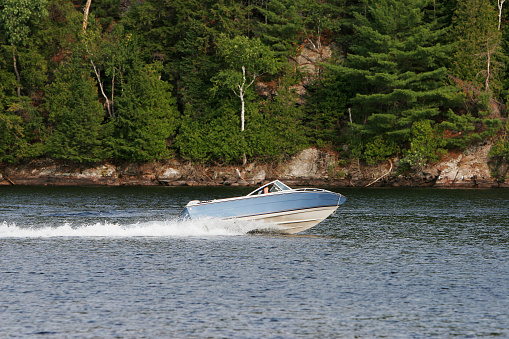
390, 169
8, 180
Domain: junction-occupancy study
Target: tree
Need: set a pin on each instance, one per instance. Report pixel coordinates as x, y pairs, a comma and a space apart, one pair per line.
326, 104
76, 115
280, 25
182, 35
426, 145
321, 19
276, 129
95, 46
146, 115
86, 10
15, 17
478, 43
500, 4
246, 60
213, 136
394, 70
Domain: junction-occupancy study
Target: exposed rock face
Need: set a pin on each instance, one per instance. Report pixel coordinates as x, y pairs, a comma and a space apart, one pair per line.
170, 174
310, 163
49, 172
308, 62
255, 174
469, 169
310, 167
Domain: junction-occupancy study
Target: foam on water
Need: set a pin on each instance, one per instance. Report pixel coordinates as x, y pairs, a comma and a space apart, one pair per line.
167, 228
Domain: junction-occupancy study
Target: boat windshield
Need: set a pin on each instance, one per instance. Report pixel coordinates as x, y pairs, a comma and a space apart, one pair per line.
280, 186
274, 186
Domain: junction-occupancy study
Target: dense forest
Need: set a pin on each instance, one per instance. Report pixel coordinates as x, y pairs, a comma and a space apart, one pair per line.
214, 81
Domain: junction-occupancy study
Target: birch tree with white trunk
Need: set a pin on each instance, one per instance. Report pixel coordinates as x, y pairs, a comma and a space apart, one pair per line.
90, 39
500, 3
245, 61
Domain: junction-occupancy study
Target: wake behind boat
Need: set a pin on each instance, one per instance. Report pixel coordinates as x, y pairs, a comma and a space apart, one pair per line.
292, 210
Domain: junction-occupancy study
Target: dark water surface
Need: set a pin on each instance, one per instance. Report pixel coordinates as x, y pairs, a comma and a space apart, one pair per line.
114, 262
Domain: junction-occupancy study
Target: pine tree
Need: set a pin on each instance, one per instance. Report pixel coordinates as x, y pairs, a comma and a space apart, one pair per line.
275, 129
478, 44
476, 65
280, 25
394, 70
75, 114
146, 115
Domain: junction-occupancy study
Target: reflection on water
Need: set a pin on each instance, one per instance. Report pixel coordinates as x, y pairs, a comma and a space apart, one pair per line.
114, 262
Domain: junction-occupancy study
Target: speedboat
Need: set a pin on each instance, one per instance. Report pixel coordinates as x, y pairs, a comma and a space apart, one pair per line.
290, 210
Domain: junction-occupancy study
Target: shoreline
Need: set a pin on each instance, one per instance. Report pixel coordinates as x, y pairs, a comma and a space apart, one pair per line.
311, 167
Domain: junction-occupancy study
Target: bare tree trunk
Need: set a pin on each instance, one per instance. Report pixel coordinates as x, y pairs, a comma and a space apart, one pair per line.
111, 110
85, 14
109, 105
18, 77
500, 4
243, 111
242, 90
98, 75
488, 52
241, 96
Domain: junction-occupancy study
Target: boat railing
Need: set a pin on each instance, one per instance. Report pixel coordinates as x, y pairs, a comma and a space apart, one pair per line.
310, 190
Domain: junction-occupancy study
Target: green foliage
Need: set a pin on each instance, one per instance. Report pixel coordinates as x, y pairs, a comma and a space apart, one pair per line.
272, 132
246, 60
75, 115
107, 12
170, 74
252, 53
7, 77
204, 139
241, 52
31, 144
500, 152
183, 34
500, 148
15, 17
146, 116
281, 25
322, 20
477, 42
394, 70
426, 146
275, 131
326, 105
463, 130
12, 138
35, 70
379, 149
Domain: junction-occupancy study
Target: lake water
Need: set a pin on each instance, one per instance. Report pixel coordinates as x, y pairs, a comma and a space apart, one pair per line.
114, 262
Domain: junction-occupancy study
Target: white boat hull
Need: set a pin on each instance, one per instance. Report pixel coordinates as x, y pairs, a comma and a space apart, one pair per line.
291, 222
